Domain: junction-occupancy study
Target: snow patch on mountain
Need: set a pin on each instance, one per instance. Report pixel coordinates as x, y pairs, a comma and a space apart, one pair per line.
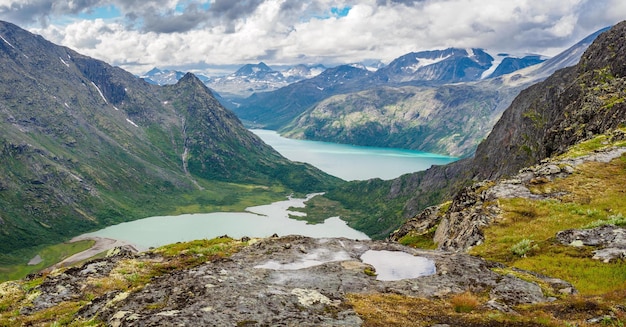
7, 42
423, 62
100, 92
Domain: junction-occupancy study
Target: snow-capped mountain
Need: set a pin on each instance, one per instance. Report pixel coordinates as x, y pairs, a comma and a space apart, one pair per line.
567, 58
441, 66
505, 63
248, 79
162, 77
278, 107
301, 71
167, 77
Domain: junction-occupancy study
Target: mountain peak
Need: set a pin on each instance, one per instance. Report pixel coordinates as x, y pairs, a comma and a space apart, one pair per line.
153, 71
253, 69
190, 77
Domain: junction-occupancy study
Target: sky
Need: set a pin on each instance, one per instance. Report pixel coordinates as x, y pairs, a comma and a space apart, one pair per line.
218, 36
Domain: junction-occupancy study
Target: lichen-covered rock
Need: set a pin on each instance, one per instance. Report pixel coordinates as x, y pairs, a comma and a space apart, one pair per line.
297, 281
420, 224
610, 239
461, 227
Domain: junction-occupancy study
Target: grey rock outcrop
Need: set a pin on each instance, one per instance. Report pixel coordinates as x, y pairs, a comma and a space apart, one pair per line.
288, 281
610, 240
475, 207
420, 224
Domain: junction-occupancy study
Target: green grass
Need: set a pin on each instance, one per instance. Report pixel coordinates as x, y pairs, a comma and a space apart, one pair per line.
524, 234
420, 241
50, 255
318, 209
589, 276
597, 143
617, 220
227, 197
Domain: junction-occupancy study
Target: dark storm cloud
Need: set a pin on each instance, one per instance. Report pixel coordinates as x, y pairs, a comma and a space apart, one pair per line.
481, 28
231, 10
146, 15
292, 6
221, 12
28, 12
172, 22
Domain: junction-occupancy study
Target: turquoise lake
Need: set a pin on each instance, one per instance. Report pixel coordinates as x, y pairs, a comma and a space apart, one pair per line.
351, 162
344, 161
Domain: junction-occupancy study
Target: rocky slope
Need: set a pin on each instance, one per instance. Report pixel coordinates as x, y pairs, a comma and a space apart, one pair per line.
460, 226
84, 145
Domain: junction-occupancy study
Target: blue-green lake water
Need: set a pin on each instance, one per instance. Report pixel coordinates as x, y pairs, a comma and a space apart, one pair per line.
344, 161
351, 162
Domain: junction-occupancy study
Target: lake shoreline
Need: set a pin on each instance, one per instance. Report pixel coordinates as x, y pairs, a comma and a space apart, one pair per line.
101, 244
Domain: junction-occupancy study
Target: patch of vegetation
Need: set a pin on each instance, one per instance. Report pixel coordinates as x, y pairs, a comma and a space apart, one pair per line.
318, 209
592, 196
370, 271
465, 302
420, 241
49, 256
617, 220
596, 143
467, 309
523, 247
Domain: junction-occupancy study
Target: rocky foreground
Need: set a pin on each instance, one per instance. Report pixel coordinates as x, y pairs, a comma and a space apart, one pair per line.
288, 281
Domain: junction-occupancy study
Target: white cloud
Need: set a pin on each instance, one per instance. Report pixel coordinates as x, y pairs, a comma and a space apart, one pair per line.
292, 31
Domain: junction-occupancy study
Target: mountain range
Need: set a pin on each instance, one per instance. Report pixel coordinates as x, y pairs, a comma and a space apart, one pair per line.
84, 145
364, 107
434, 101
539, 208
248, 79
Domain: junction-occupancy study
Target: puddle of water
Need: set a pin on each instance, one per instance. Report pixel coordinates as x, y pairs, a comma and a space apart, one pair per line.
397, 265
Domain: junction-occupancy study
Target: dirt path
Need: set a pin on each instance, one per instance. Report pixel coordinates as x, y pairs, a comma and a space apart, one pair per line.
102, 244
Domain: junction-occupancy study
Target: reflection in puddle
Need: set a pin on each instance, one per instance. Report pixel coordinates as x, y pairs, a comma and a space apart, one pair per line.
397, 265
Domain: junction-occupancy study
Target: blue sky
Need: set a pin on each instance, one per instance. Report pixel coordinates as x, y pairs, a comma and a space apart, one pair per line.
216, 36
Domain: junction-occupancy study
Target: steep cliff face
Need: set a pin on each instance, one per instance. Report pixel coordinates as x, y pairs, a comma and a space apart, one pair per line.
572, 105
